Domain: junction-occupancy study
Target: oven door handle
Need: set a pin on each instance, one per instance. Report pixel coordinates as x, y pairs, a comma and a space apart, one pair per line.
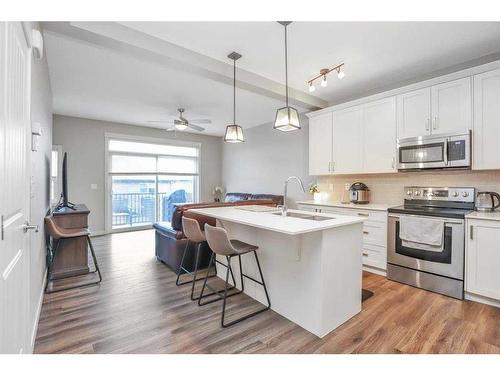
446, 221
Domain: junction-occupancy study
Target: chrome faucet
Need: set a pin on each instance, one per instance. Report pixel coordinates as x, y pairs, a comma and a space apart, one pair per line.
284, 207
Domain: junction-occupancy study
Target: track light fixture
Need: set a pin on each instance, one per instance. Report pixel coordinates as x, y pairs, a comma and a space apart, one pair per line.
323, 73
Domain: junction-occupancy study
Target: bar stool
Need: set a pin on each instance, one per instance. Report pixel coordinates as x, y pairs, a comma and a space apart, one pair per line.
193, 233
220, 244
58, 235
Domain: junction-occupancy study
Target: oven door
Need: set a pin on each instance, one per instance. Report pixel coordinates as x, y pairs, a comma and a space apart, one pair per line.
449, 262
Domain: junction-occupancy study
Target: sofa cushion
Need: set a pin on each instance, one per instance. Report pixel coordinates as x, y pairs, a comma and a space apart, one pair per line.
278, 199
234, 197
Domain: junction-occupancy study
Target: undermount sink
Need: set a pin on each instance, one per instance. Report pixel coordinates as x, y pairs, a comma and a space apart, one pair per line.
305, 216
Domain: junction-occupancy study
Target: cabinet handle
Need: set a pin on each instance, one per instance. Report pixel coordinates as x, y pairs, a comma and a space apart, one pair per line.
1, 229
435, 126
393, 162
329, 166
333, 166
363, 214
365, 254
471, 232
427, 124
365, 232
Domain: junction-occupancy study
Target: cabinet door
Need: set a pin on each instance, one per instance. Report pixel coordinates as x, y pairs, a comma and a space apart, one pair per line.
320, 144
379, 136
486, 137
483, 259
347, 153
414, 113
452, 107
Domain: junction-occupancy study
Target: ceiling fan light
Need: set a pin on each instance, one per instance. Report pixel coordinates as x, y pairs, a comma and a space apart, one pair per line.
234, 134
181, 127
287, 119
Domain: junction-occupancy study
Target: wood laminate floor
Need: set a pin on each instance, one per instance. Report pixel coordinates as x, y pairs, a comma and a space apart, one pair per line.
138, 309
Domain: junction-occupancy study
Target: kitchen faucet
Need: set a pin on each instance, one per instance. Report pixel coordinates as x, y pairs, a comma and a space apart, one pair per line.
284, 207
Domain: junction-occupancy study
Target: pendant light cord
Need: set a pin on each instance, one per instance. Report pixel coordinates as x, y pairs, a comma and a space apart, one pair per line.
234, 91
286, 68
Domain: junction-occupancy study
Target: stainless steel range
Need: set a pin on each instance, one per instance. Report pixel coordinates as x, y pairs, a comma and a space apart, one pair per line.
440, 270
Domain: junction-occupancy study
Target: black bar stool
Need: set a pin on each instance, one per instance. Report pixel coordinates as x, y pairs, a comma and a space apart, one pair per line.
194, 235
220, 244
58, 235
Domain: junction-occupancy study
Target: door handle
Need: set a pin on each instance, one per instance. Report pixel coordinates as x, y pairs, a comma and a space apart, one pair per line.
27, 226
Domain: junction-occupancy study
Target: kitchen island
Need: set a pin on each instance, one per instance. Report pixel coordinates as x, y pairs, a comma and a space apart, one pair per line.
312, 263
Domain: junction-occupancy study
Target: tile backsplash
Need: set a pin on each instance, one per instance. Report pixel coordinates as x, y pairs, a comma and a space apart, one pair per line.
388, 188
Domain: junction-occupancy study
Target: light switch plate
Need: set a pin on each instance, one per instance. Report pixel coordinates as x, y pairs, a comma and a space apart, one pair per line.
93, 186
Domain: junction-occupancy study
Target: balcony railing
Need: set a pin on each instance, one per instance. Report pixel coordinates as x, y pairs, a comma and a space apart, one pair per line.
137, 209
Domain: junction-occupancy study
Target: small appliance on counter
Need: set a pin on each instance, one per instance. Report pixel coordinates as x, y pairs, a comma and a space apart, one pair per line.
359, 193
485, 201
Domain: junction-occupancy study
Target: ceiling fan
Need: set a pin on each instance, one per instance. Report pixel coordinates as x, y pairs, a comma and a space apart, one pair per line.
181, 123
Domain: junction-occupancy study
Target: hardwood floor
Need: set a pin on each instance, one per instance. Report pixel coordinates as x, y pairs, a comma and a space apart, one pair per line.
138, 309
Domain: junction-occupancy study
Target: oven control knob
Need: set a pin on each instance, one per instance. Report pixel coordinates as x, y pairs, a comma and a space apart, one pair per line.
408, 192
455, 194
417, 192
465, 194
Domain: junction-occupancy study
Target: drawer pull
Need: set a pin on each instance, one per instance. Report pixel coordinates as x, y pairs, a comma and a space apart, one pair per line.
365, 232
363, 214
365, 254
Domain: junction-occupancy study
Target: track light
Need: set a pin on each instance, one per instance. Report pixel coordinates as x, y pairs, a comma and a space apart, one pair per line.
323, 75
324, 82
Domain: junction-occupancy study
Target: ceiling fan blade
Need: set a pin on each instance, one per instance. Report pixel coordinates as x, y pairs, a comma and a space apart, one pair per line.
195, 127
201, 121
162, 121
171, 129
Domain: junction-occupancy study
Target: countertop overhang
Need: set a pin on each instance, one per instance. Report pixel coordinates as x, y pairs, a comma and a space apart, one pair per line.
277, 223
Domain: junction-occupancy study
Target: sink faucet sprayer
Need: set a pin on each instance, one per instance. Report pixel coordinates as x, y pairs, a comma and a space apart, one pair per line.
284, 207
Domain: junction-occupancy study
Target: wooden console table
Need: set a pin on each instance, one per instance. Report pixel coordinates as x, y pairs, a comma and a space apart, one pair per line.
72, 255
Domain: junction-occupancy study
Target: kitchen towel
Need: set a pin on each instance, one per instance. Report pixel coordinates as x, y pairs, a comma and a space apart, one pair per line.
422, 233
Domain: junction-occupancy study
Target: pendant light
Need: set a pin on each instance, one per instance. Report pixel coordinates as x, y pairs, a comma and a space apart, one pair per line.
287, 118
234, 132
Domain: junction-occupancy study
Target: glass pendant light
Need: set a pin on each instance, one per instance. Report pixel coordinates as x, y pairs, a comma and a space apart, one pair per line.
234, 132
287, 118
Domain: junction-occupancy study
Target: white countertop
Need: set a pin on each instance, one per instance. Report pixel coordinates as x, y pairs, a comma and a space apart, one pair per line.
277, 223
494, 215
368, 206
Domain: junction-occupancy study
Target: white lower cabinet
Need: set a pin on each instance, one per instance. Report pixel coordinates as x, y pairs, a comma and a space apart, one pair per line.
374, 233
482, 266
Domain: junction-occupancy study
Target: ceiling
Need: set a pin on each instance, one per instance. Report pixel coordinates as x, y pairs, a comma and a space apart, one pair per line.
127, 82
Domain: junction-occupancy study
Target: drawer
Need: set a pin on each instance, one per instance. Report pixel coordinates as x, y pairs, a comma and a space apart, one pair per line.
378, 216
375, 233
375, 256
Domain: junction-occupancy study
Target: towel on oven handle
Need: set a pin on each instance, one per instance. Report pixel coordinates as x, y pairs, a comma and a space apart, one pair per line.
422, 233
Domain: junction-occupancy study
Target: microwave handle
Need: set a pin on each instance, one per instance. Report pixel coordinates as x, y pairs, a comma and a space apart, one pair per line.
445, 151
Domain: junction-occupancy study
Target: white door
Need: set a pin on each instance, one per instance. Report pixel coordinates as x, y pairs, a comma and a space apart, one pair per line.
320, 144
414, 113
347, 153
482, 274
452, 107
486, 137
14, 189
379, 136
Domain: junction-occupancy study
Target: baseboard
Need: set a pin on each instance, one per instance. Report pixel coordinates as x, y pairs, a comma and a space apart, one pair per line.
482, 299
374, 270
38, 311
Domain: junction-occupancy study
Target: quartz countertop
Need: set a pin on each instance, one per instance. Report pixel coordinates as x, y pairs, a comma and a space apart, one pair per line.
277, 223
491, 215
368, 206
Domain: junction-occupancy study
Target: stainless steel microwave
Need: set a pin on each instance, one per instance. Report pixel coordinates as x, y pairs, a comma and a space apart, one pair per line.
435, 152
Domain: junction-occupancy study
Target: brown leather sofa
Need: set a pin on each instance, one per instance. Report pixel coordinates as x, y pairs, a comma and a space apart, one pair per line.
169, 237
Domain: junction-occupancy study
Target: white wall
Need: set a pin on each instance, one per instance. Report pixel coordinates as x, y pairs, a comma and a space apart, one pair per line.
266, 159
83, 139
41, 112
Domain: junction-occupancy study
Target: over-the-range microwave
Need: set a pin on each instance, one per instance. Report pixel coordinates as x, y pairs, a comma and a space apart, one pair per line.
435, 152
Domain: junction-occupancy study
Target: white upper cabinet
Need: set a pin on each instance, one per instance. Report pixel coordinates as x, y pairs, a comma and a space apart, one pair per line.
320, 144
452, 107
486, 137
414, 113
379, 136
347, 140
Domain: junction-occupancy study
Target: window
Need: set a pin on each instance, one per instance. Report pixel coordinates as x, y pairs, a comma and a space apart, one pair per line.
147, 179
55, 174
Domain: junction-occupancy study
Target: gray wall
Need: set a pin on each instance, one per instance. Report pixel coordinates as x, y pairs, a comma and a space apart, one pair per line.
83, 139
266, 159
41, 112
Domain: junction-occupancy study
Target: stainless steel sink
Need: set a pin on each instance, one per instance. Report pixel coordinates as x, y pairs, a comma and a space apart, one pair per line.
305, 216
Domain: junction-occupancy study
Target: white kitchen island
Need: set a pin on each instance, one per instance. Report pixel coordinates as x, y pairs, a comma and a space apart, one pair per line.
312, 269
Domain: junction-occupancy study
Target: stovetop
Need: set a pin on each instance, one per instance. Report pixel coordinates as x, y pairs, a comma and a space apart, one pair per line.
457, 213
